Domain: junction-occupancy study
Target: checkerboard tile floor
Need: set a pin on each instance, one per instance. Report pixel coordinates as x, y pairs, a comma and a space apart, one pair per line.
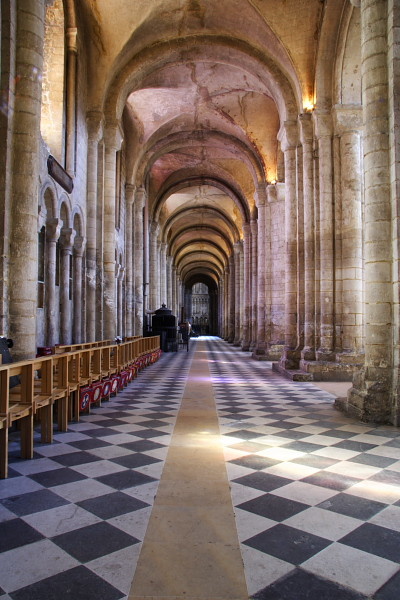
72, 520
316, 494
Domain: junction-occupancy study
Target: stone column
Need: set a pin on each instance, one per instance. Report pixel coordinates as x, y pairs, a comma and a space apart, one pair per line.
323, 134
226, 301
259, 350
154, 272
247, 286
79, 248
254, 277
163, 273
129, 293
113, 140
23, 265
241, 288
70, 149
169, 282
231, 300
120, 300
95, 132
138, 260
370, 397
306, 138
53, 228
174, 303
236, 254
290, 358
348, 125
67, 243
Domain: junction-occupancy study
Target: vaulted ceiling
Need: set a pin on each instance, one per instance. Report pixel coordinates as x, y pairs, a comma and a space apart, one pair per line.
202, 88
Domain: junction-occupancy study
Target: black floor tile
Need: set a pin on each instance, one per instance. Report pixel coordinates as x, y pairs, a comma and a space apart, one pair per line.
288, 544
15, 533
387, 476
298, 445
315, 461
132, 461
26, 504
125, 479
373, 460
254, 462
300, 585
332, 481
74, 459
57, 477
90, 443
390, 591
112, 505
263, 481
356, 446
87, 543
142, 445
353, 506
148, 433
273, 507
375, 540
76, 584
244, 434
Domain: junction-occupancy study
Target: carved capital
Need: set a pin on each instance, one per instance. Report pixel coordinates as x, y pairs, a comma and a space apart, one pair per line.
113, 135
306, 128
140, 197
261, 194
322, 124
95, 125
289, 135
53, 229
79, 245
130, 193
67, 238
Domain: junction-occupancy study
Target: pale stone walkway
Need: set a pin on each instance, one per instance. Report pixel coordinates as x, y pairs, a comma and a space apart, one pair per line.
191, 548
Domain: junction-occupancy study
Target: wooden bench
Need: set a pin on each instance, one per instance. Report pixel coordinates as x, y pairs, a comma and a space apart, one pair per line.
56, 380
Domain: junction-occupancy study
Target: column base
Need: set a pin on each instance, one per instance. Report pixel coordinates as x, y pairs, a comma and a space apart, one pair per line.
342, 368
245, 345
237, 342
275, 351
369, 401
259, 352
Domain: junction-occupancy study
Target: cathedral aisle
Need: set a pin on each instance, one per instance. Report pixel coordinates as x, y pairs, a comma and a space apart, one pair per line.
138, 491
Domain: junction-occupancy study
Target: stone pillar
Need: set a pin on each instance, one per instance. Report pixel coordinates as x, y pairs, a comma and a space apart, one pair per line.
113, 140
323, 134
129, 293
236, 255
241, 288
169, 282
67, 243
71, 36
79, 248
290, 358
53, 228
23, 266
370, 397
259, 351
120, 299
154, 271
247, 286
174, 303
163, 273
254, 277
231, 300
95, 132
138, 260
348, 125
306, 138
